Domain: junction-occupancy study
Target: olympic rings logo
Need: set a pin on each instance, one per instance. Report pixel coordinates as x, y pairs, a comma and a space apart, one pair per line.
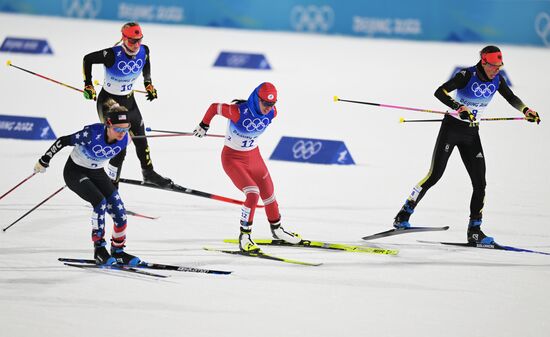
542, 27
107, 151
130, 66
82, 8
306, 149
485, 90
256, 124
312, 18
237, 60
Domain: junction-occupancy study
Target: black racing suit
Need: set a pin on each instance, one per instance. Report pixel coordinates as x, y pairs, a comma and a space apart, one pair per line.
107, 58
465, 137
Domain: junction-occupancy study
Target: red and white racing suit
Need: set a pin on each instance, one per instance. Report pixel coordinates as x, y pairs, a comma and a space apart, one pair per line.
241, 158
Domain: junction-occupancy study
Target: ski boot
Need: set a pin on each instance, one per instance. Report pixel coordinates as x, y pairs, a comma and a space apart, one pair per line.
280, 233
124, 258
102, 256
401, 220
150, 176
476, 235
245, 242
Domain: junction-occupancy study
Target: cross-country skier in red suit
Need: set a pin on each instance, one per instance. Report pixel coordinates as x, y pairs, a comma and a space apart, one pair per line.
242, 161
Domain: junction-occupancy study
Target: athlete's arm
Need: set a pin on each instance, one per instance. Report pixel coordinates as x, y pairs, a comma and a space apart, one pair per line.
60, 143
105, 57
459, 81
229, 111
147, 66
509, 96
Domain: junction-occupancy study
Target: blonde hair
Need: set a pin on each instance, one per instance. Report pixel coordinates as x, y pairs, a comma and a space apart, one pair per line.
112, 106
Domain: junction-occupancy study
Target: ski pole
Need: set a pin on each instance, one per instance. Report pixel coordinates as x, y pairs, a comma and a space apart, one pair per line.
183, 133
16, 186
35, 207
162, 135
504, 119
186, 190
336, 99
96, 82
44, 77
488, 119
403, 120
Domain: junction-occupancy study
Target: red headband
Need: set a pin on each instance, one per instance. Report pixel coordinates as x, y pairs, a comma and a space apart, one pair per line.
132, 32
494, 58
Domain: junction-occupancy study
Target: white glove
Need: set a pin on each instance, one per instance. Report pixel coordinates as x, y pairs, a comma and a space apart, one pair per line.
40, 166
201, 129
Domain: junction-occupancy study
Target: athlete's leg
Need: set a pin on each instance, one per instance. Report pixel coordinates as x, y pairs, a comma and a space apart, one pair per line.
443, 148
142, 147
77, 179
474, 160
261, 175
236, 166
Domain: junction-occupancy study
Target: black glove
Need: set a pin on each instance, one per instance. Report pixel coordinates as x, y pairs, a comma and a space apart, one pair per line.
151, 91
466, 114
532, 116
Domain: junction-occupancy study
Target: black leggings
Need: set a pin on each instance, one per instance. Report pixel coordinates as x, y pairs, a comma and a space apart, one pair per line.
457, 133
137, 129
92, 185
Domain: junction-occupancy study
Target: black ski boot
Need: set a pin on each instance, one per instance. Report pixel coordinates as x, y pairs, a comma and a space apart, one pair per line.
150, 176
102, 256
401, 220
476, 235
124, 258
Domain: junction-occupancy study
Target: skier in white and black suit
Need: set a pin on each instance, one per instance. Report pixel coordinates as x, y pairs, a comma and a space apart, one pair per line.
123, 64
475, 88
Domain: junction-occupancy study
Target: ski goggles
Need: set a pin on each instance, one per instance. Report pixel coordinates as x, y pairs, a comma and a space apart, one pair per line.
120, 130
133, 41
266, 103
493, 59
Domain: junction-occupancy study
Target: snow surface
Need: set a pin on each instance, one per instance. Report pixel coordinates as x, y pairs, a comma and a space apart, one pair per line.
427, 290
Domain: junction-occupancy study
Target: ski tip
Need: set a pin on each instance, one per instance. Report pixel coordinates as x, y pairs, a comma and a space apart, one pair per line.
336, 98
96, 82
8, 63
401, 120
148, 129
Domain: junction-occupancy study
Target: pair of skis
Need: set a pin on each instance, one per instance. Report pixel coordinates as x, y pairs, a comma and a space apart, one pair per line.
140, 269
398, 231
302, 244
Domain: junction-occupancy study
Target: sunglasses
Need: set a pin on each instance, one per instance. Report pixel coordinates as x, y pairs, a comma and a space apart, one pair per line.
486, 61
119, 129
133, 41
265, 103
